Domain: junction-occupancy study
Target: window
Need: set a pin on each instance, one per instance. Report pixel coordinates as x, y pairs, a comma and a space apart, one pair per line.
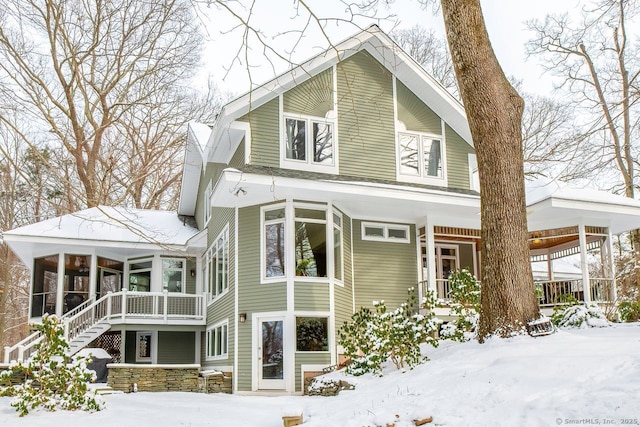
173, 274
206, 204
420, 156
218, 264
309, 141
338, 265
311, 247
311, 242
140, 275
274, 248
144, 346
312, 334
474, 175
217, 341
385, 232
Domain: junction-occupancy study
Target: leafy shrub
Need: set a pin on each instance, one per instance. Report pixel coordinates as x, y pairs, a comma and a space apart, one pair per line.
373, 337
573, 314
51, 379
629, 311
464, 291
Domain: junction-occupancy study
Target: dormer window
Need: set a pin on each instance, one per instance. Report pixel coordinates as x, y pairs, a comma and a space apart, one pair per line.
421, 158
308, 143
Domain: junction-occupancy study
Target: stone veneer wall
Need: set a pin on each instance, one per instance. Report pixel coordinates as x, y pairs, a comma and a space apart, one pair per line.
122, 376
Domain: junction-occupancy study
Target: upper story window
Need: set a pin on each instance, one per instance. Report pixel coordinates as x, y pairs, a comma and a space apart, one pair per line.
173, 274
474, 174
310, 250
140, 275
309, 143
206, 204
218, 265
421, 158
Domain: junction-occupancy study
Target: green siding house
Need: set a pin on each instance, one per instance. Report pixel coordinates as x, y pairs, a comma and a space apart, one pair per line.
348, 179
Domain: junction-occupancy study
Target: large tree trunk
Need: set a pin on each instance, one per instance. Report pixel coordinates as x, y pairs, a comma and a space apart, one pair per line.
494, 110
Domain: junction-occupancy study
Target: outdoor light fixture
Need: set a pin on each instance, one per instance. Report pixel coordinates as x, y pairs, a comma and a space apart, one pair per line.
240, 190
193, 273
243, 317
536, 237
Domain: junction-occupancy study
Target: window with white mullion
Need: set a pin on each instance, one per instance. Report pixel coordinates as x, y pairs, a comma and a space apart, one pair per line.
218, 341
218, 265
338, 263
274, 242
309, 140
420, 155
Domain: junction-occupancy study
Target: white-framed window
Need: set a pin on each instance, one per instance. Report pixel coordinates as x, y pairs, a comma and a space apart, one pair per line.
308, 142
206, 204
310, 242
338, 255
301, 234
173, 274
218, 340
140, 275
312, 333
421, 157
273, 242
218, 265
474, 174
385, 232
144, 346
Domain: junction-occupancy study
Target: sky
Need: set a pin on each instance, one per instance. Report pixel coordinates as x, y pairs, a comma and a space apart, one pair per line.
280, 24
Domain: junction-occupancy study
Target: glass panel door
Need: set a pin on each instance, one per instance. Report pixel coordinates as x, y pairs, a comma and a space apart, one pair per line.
271, 353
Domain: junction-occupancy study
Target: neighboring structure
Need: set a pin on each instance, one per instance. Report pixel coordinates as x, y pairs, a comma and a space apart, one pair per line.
345, 180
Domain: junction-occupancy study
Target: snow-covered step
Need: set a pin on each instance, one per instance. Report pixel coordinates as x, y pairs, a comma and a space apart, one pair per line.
85, 338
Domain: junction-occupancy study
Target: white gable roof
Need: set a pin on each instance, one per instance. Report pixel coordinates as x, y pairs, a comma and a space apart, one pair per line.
377, 43
198, 135
103, 226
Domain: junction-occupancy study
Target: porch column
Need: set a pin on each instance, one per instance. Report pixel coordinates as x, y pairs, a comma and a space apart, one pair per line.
612, 266
93, 274
550, 274
431, 255
584, 266
60, 285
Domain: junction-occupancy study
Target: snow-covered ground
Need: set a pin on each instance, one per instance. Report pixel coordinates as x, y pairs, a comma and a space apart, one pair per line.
584, 377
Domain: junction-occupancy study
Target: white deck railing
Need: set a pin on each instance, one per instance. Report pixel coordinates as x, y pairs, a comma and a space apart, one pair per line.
121, 307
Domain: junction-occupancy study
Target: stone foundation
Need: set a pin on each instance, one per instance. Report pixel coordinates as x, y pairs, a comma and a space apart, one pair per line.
123, 376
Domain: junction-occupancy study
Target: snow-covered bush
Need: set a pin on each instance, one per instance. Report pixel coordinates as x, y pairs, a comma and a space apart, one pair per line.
52, 380
464, 291
629, 311
573, 314
373, 337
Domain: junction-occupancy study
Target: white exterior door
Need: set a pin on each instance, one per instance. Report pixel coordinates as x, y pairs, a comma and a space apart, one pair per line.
447, 260
270, 353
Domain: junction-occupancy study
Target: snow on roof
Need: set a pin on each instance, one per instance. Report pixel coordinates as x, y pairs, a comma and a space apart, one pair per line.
542, 188
201, 132
105, 223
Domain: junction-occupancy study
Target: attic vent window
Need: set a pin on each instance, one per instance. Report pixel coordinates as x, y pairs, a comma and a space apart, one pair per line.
308, 142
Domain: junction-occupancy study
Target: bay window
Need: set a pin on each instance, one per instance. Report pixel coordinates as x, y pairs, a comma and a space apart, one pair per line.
311, 247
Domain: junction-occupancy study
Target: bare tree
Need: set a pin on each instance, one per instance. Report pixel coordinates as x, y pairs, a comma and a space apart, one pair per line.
494, 110
598, 69
430, 51
107, 85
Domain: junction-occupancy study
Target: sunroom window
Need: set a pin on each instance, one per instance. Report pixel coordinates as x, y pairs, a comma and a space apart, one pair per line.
420, 156
311, 242
173, 274
309, 141
274, 236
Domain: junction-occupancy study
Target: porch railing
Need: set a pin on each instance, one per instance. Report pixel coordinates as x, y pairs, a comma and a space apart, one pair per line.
118, 307
601, 289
